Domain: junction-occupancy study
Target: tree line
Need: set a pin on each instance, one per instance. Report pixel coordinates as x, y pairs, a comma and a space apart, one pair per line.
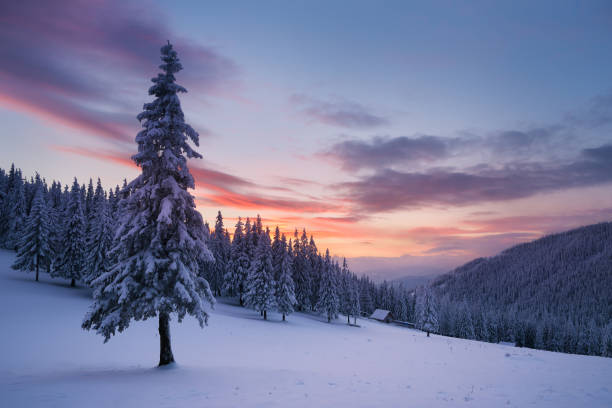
69, 233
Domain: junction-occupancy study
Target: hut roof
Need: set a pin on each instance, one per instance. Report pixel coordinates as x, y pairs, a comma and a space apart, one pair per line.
380, 314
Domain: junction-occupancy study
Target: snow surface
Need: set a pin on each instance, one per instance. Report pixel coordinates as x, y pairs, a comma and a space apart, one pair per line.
239, 360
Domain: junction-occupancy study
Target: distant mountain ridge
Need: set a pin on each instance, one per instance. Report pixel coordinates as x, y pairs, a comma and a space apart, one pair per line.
557, 288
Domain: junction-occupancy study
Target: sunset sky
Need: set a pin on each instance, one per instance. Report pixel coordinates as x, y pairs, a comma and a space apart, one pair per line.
409, 137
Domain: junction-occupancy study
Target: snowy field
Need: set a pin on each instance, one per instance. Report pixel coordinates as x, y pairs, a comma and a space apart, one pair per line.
240, 360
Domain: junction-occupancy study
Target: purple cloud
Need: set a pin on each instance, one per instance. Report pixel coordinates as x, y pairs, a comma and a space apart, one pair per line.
75, 61
384, 151
388, 190
343, 114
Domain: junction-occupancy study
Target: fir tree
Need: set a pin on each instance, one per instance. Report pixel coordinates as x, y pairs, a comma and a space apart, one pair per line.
100, 238
70, 264
237, 269
301, 273
221, 251
329, 304
260, 281
428, 311
161, 242
34, 249
285, 289
16, 209
355, 303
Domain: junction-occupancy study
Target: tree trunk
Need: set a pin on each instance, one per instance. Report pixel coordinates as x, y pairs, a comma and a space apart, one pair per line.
37, 270
348, 319
427, 334
355, 320
265, 314
72, 283
241, 300
283, 317
165, 349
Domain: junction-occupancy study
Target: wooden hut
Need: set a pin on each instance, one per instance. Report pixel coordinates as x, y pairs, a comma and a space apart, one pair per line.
382, 316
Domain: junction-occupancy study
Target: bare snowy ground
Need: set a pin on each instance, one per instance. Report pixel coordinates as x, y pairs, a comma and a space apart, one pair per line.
240, 360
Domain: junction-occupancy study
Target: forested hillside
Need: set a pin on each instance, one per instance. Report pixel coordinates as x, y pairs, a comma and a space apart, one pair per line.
554, 293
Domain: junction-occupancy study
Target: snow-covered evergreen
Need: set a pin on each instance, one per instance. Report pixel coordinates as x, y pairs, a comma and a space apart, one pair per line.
329, 303
100, 239
285, 289
70, 262
427, 311
301, 271
237, 268
260, 285
221, 250
161, 240
34, 249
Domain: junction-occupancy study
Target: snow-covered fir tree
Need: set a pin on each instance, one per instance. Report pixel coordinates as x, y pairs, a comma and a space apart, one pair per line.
349, 296
34, 249
427, 311
101, 233
355, 309
161, 241
345, 290
260, 292
237, 268
285, 289
301, 272
16, 209
329, 303
220, 247
71, 260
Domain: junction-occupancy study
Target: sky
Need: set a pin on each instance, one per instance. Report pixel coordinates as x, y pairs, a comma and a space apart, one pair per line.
409, 137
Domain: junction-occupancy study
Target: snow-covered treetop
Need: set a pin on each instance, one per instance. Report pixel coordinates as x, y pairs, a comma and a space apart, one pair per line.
163, 143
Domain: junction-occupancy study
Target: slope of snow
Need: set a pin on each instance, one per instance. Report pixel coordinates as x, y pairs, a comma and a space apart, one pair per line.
239, 360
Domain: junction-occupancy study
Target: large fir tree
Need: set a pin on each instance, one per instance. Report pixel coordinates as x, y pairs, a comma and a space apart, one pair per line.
161, 239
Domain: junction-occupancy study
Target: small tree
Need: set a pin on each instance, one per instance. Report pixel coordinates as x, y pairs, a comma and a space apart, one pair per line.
34, 248
160, 242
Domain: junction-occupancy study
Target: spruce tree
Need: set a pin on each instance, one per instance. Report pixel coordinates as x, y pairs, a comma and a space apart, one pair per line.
427, 311
100, 239
17, 209
345, 292
301, 273
71, 262
260, 280
221, 251
34, 249
285, 289
237, 268
328, 304
355, 306
160, 242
